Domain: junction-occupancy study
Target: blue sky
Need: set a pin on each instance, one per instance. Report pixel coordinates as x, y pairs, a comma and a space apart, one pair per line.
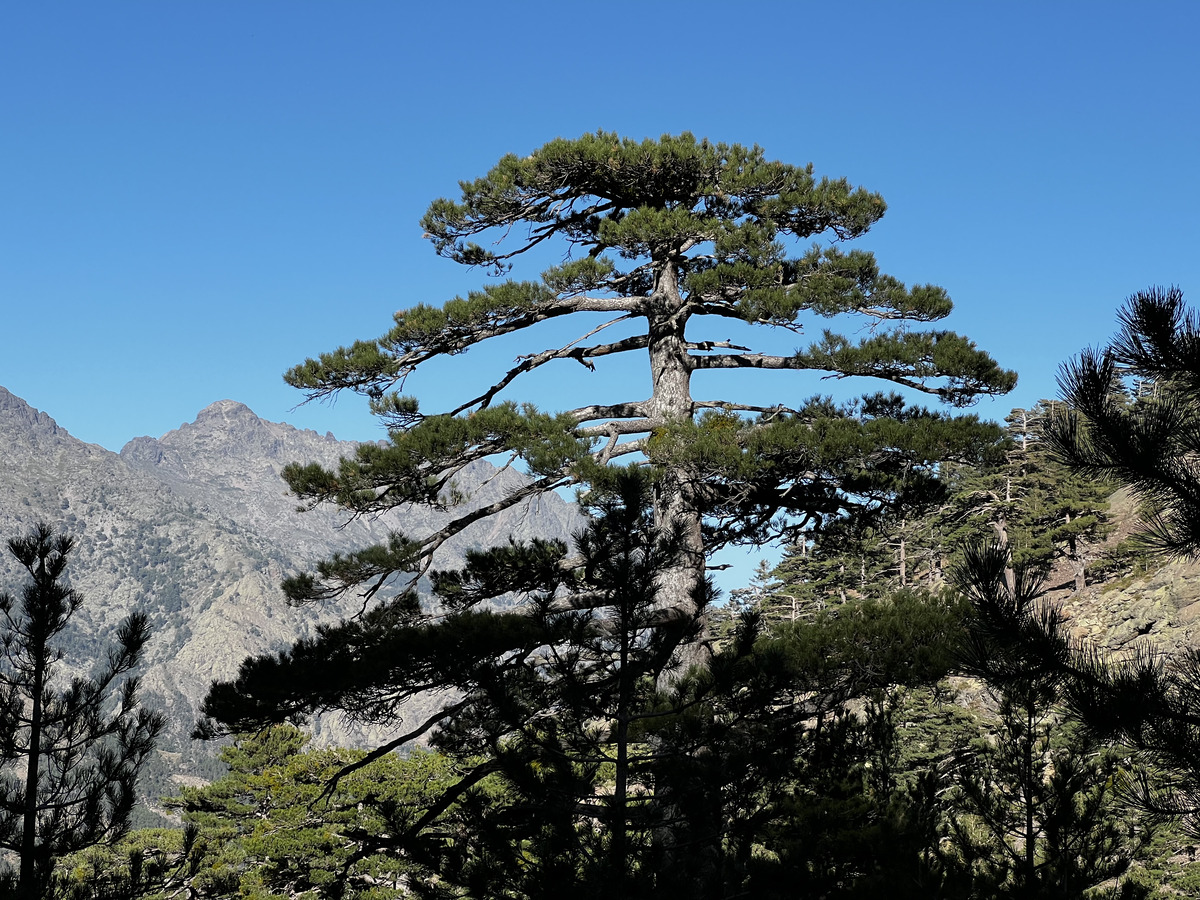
196, 196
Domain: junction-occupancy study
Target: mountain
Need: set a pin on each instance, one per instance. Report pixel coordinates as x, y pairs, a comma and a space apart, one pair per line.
198, 529
227, 464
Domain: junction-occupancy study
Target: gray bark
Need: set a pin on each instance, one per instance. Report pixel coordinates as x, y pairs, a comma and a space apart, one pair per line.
675, 508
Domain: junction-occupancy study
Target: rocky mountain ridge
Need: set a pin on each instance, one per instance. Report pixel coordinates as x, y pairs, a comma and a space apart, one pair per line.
198, 529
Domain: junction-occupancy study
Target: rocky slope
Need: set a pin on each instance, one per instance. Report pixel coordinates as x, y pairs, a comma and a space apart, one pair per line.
1155, 607
197, 528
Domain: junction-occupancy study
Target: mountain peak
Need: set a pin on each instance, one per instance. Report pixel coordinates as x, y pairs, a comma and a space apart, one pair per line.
226, 409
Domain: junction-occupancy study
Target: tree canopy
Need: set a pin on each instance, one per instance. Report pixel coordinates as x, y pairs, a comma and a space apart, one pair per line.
657, 238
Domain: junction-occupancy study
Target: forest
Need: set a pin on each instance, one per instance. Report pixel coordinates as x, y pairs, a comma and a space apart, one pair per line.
898, 708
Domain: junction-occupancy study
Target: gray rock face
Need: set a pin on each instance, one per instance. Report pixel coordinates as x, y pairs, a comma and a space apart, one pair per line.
228, 463
198, 529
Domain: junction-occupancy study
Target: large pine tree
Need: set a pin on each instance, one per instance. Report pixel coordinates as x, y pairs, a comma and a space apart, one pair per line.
657, 238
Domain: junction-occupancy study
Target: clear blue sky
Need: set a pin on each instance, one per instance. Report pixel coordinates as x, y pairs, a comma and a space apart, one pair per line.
195, 196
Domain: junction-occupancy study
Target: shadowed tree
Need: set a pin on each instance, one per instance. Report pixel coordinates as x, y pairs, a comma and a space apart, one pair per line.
550, 699
1147, 439
1036, 806
74, 748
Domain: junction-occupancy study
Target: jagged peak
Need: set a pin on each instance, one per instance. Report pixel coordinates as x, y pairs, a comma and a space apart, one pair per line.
226, 409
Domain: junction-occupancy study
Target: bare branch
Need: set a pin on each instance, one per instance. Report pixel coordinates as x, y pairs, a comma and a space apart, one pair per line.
775, 410
379, 752
635, 446
716, 345
712, 306
763, 361
543, 209
457, 337
629, 410
431, 543
622, 426
746, 361
533, 361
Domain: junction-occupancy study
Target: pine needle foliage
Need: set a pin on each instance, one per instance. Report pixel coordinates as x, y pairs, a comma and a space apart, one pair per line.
1134, 419
271, 828
1152, 442
660, 243
657, 236
1040, 808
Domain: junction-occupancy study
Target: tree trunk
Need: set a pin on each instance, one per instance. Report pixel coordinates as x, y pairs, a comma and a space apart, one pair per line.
1076, 560
27, 885
1030, 855
1010, 576
676, 511
619, 824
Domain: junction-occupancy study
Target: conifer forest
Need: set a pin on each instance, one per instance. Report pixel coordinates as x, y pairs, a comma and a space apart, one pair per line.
904, 705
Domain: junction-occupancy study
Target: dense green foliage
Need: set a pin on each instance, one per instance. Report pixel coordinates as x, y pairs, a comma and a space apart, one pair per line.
571, 768
551, 698
277, 825
1015, 492
607, 777
1030, 807
1146, 442
1039, 811
1028, 499
822, 757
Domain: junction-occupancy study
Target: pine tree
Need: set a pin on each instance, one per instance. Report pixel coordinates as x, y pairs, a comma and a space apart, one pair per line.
1037, 808
681, 236
662, 241
782, 766
1132, 418
71, 758
1067, 507
551, 696
273, 827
